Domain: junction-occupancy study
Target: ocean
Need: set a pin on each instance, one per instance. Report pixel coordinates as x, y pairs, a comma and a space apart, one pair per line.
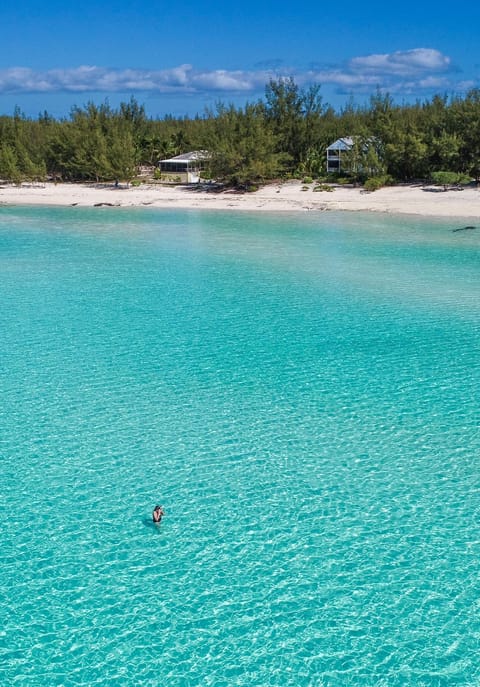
300, 394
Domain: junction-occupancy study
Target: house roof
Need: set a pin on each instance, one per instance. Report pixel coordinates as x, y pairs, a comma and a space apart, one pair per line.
347, 142
188, 157
344, 143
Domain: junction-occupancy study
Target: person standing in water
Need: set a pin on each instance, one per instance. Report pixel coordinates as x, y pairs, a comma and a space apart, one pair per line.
157, 514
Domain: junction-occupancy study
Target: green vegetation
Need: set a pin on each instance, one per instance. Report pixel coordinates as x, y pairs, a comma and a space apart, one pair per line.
374, 183
282, 136
323, 187
447, 179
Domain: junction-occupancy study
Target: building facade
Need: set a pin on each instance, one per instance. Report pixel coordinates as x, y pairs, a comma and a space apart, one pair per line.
335, 151
185, 168
355, 155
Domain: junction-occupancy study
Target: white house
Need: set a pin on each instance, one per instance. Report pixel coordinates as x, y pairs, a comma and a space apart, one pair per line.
338, 151
335, 152
186, 166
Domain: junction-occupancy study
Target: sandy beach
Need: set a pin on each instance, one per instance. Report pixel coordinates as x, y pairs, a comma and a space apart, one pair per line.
279, 197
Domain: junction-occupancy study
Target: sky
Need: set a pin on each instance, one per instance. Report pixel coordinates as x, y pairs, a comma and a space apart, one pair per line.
181, 57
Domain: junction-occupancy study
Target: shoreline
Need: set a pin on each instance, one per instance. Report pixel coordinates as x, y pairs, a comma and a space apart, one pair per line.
413, 199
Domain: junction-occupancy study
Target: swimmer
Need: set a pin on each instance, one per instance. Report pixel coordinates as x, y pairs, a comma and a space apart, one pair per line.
157, 514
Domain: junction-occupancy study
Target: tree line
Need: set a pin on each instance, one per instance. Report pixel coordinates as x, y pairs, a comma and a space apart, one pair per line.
282, 135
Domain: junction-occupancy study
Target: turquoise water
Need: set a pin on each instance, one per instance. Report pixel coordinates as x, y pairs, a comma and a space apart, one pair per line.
301, 395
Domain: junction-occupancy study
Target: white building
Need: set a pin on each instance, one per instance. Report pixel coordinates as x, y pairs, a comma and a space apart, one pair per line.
185, 167
335, 152
340, 149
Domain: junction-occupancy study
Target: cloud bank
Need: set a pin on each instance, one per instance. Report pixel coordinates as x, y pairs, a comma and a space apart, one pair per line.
410, 71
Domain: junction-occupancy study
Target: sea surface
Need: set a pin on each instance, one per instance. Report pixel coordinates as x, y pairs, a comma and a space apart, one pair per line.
300, 393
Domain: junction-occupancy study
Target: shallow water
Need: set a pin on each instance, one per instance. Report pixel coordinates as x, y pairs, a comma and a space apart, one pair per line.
301, 395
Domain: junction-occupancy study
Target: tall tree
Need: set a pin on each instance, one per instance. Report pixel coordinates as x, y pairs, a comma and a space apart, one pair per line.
242, 145
294, 115
9, 170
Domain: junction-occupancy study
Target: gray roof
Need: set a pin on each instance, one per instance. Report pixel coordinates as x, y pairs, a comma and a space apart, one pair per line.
188, 157
344, 143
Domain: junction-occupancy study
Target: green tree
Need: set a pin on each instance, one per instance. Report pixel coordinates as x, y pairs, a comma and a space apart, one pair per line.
465, 116
9, 170
444, 151
294, 116
122, 154
447, 179
407, 157
243, 148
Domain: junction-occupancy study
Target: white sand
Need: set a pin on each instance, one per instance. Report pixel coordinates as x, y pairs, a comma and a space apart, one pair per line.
280, 197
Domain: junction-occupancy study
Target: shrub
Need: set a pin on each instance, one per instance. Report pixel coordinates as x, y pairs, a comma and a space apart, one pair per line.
323, 187
307, 180
374, 183
446, 179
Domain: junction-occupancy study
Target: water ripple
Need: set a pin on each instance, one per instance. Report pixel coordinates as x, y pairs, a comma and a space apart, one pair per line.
302, 400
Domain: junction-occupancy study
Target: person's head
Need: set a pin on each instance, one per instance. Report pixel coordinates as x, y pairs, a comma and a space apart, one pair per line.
157, 508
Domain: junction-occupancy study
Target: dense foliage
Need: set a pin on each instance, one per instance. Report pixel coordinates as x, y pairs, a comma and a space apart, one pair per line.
284, 135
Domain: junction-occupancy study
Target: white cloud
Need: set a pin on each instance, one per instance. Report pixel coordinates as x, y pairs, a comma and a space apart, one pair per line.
183, 78
421, 70
403, 63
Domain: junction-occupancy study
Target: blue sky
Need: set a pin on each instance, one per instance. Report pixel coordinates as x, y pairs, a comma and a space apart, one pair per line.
178, 57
